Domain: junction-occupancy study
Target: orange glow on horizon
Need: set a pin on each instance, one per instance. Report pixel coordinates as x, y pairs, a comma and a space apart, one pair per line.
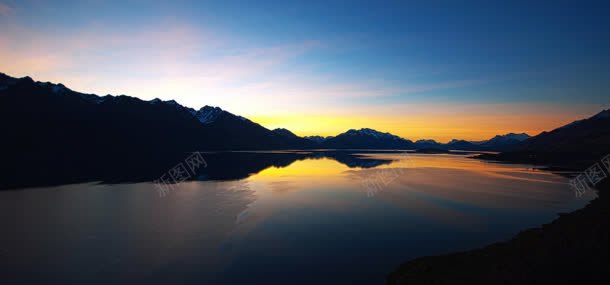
441, 129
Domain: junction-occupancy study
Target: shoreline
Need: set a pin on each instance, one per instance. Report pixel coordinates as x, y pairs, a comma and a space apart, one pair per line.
574, 248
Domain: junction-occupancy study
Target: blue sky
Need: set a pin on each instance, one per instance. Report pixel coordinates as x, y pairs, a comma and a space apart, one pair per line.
324, 66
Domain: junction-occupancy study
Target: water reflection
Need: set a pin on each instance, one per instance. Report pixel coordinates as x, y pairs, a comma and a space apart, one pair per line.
297, 221
142, 167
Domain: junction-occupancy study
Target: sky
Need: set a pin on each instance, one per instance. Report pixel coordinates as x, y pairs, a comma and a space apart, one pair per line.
419, 69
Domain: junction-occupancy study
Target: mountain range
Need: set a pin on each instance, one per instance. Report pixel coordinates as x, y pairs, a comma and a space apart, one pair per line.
50, 116
575, 145
34, 112
42, 116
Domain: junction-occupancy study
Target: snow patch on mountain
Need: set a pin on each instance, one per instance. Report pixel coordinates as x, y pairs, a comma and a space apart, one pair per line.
519, 137
426, 142
372, 133
208, 114
318, 139
55, 88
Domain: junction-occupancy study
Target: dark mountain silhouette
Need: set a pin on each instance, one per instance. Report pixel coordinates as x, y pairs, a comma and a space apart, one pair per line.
428, 144
285, 133
6, 81
505, 142
581, 141
50, 131
317, 139
35, 112
50, 121
497, 143
371, 139
367, 139
590, 135
456, 144
241, 133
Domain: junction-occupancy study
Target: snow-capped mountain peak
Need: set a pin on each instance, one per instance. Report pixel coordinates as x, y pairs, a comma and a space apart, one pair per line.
172, 102
519, 137
372, 133
510, 136
56, 88
424, 141
208, 114
318, 139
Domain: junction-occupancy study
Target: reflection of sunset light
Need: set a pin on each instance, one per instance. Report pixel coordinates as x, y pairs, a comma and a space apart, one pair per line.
308, 168
427, 185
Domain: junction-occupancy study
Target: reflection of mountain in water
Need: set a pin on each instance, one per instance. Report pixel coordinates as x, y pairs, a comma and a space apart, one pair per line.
129, 167
239, 165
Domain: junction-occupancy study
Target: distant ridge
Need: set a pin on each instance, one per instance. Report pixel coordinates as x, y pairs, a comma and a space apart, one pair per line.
317, 139
31, 109
367, 138
285, 133
591, 135
581, 141
207, 128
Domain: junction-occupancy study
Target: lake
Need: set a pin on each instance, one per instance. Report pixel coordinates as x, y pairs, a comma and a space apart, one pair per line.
274, 218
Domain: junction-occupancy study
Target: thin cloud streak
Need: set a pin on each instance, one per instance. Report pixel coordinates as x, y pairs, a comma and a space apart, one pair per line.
178, 61
142, 63
197, 65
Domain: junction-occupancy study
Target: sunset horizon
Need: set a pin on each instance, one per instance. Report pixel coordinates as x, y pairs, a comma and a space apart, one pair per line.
394, 74
439, 127
302, 142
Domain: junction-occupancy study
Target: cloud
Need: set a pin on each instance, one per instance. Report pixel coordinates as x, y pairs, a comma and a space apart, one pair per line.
5, 10
97, 46
196, 67
139, 57
175, 60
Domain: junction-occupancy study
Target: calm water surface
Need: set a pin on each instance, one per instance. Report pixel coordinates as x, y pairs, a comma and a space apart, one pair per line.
313, 221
